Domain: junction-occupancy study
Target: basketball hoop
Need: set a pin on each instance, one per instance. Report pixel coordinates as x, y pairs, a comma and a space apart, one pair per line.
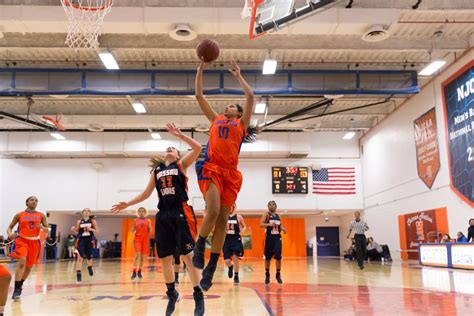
85, 21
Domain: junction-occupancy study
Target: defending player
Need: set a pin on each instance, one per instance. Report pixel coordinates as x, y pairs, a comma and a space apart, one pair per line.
233, 248
175, 222
271, 221
142, 230
27, 243
85, 229
219, 179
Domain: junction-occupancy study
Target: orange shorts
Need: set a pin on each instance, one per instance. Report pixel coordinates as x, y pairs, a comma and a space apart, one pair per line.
3, 271
142, 244
27, 248
228, 181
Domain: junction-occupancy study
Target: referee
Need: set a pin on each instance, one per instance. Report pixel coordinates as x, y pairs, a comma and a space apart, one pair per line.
359, 227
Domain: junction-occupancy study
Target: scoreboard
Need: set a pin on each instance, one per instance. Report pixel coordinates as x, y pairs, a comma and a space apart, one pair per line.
290, 180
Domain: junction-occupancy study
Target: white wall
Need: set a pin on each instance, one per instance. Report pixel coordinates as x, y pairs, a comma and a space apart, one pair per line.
72, 184
390, 180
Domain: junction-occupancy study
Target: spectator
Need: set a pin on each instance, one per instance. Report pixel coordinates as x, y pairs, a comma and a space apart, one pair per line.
461, 237
116, 237
350, 252
71, 241
470, 231
374, 250
445, 239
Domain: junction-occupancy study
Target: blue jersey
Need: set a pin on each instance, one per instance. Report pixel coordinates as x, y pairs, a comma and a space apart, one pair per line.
233, 228
275, 229
172, 186
84, 227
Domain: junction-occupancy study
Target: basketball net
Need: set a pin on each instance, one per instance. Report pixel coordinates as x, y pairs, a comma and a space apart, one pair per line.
85, 21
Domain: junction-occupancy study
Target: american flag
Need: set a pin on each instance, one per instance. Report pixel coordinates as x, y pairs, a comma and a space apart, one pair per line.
334, 181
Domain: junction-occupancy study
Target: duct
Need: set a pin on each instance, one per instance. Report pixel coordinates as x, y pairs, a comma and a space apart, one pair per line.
26, 82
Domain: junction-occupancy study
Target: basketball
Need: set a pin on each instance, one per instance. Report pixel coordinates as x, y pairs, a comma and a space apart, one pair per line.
208, 50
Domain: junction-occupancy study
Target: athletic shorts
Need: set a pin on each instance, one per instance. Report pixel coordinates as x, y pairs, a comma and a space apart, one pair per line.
4, 272
27, 248
84, 247
142, 244
228, 181
273, 247
175, 228
233, 246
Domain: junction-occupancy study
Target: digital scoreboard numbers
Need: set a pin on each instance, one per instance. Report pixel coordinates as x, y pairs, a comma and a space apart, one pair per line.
458, 100
290, 180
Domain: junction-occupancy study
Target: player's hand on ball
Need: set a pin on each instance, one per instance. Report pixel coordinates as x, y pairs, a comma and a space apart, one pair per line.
119, 207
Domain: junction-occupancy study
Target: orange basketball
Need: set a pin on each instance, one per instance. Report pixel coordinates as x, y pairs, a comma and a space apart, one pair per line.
208, 50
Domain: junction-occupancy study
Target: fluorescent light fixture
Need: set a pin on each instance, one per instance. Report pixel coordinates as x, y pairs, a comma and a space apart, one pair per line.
155, 135
57, 136
432, 68
260, 108
269, 66
349, 135
139, 107
108, 60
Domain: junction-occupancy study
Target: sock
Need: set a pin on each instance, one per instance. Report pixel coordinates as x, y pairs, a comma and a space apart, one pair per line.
17, 284
236, 274
79, 272
176, 275
214, 259
21, 283
267, 271
201, 241
170, 286
135, 270
197, 289
278, 272
139, 270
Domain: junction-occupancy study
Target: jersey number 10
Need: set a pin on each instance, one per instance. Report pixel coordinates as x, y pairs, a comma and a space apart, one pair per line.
224, 132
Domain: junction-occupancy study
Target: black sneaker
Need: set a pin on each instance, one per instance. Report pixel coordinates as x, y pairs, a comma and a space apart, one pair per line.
139, 274
207, 275
91, 272
199, 304
236, 280
16, 294
134, 275
230, 273
198, 256
361, 267
173, 298
278, 278
267, 278
78, 277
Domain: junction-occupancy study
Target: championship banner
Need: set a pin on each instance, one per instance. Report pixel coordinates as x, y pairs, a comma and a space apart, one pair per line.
458, 100
427, 150
420, 227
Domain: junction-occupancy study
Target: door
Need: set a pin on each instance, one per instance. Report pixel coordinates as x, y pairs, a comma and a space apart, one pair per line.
327, 240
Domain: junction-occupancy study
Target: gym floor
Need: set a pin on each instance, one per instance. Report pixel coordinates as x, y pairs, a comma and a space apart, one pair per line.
329, 286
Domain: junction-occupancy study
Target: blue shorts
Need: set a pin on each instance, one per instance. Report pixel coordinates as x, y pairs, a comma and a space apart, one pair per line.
233, 246
273, 247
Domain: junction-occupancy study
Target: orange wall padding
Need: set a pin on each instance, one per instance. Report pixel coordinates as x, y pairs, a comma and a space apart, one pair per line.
294, 242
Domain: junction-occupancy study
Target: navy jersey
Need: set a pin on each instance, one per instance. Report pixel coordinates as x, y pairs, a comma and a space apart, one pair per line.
233, 228
273, 219
84, 227
172, 186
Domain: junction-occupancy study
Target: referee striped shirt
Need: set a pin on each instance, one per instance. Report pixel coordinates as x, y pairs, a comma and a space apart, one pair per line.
359, 227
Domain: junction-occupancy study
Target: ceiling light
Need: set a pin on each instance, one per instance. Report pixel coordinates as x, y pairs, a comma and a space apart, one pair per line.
349, 135
432, 68
269, 66
155, 135
139, 107
108, 60
260, 108
57, 136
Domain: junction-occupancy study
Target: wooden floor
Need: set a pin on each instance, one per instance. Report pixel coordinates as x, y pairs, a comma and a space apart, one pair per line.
322, 287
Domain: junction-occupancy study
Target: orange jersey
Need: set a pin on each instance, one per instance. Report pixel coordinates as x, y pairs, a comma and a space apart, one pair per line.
142, 227
28, 224
225, 140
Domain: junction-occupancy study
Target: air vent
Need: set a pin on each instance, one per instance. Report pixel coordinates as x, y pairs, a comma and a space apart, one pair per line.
297, 155
376, 33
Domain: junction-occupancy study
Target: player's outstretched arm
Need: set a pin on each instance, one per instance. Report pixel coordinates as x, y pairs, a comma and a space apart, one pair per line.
116, 208
249, 97
198, 90
196, 147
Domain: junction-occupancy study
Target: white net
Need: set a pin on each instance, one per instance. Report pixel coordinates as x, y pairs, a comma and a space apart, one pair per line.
85, 21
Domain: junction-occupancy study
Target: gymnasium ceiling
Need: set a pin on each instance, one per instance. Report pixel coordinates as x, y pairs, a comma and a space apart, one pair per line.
137, 33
